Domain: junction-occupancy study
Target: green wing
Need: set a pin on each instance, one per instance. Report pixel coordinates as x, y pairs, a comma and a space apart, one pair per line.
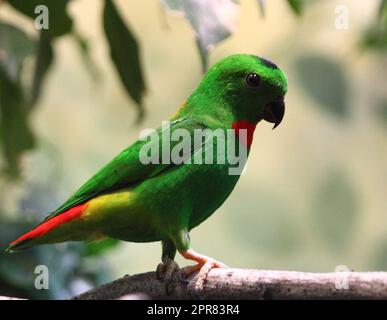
126, 169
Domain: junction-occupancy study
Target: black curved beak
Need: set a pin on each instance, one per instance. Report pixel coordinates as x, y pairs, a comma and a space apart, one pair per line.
274, 111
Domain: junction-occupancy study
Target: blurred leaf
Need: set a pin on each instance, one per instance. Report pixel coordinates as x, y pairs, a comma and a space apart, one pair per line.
15, 131
125, 54
60, 22
325, 81
335, 209
97, 247
212, 21
15, 46
382, 13
43, 62
297, 6
261, 4
376, 36
84, 49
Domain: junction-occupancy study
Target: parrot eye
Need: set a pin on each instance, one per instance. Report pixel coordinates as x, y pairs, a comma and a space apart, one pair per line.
253, 80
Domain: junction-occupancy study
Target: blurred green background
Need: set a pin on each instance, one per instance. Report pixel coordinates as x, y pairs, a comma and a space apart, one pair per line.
314, 194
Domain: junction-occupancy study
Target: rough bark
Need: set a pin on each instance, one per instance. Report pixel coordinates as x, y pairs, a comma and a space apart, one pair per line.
248, 284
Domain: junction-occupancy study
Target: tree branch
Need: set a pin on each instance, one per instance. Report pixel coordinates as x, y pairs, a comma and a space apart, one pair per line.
9, 298
249, 284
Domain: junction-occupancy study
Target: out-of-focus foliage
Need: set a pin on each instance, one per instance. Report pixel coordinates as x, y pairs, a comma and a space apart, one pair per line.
261, 4
72, 266
376, 36
325, 81
212, 21
15, 132
267, 223
44, 59
15, 46
69, 272
124, 53
297, 6
60, 22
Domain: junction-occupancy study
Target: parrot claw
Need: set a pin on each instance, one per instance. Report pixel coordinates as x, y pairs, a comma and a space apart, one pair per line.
166, 269
165, 272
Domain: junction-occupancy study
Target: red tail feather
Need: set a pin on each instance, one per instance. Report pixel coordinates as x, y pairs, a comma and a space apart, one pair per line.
52, 223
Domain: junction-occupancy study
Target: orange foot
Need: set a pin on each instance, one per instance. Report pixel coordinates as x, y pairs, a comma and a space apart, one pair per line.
204, 265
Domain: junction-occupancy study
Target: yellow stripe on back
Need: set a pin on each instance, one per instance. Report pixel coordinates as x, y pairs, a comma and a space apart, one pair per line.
106, 204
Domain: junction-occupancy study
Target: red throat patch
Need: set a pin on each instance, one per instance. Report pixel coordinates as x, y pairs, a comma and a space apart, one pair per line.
248, 126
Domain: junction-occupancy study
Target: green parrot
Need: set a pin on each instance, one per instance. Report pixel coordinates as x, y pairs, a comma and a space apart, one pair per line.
163, 200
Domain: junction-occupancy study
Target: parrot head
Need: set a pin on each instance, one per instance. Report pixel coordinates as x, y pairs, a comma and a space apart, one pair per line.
253, 88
